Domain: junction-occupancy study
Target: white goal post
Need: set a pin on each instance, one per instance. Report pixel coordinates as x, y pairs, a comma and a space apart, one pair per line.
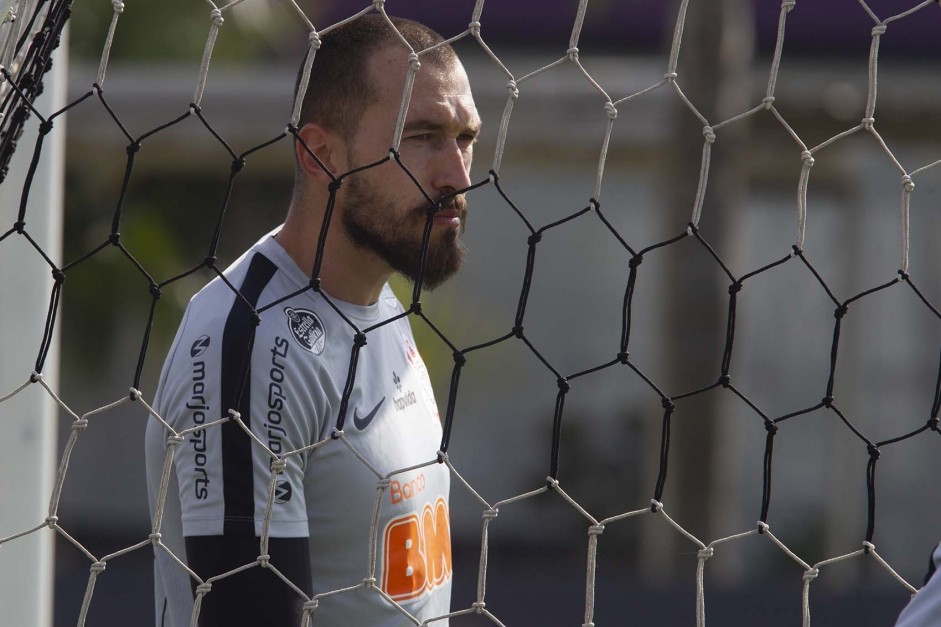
28, 444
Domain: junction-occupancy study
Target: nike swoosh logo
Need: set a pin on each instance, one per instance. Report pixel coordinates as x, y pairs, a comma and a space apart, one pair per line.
362, 423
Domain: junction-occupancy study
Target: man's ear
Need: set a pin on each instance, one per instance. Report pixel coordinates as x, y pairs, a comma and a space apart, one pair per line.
323, 143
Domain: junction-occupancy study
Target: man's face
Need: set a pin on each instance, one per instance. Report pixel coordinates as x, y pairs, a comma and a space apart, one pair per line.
383, 211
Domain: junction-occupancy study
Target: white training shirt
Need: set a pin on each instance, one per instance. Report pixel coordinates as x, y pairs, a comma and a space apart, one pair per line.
300, 362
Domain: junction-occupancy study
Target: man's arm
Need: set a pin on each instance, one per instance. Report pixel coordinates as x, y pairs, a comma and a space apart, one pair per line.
255, 596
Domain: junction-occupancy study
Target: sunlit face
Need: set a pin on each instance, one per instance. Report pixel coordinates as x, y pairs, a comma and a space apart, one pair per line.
383, 211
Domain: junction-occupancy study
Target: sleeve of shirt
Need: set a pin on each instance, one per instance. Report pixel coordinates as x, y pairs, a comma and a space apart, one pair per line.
248, 399
249, 478
228, 479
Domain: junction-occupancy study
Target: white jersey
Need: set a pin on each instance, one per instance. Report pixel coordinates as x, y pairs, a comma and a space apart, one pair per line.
300, 356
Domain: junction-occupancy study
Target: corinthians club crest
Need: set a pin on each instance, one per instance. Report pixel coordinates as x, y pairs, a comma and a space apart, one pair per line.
307, 329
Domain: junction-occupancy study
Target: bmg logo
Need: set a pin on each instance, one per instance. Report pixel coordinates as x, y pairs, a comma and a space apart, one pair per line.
417, 552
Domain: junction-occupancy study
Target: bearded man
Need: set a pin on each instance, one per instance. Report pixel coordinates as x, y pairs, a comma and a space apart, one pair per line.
265, 346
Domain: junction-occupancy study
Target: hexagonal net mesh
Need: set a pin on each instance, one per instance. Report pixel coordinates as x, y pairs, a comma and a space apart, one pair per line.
26, 44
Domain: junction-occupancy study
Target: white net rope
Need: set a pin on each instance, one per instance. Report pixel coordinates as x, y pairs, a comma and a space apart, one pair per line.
516, 85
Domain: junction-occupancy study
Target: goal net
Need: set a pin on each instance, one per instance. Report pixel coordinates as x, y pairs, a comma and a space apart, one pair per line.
690, 367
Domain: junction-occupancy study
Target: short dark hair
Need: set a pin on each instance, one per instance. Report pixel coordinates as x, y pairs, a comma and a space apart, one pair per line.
340, 88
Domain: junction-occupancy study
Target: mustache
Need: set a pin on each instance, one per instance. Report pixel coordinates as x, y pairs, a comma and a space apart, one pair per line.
457, 201
445, 203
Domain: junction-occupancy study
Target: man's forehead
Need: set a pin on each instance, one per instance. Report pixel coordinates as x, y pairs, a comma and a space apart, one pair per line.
441, 91
443, 107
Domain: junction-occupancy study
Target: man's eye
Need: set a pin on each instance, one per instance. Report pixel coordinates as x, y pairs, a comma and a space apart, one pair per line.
423, 137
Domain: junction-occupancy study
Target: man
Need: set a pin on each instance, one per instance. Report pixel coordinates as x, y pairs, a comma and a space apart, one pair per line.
286, 376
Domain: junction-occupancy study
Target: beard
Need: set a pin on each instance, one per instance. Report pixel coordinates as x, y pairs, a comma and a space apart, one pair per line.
397, 238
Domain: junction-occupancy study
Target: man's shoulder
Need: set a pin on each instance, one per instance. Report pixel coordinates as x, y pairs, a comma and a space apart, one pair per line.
209, 309
244, 279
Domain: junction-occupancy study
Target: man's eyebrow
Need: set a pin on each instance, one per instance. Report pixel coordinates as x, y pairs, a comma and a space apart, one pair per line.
424, 124
435, 126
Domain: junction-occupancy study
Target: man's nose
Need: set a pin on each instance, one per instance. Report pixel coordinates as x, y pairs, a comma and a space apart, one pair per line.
452, 169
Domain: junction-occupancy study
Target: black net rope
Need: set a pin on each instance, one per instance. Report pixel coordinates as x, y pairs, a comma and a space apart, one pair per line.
17, 106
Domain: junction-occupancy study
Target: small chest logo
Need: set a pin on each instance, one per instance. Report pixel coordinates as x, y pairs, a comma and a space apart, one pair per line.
307, 329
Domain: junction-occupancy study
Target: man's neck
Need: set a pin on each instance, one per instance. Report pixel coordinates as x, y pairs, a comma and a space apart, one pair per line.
348, 272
